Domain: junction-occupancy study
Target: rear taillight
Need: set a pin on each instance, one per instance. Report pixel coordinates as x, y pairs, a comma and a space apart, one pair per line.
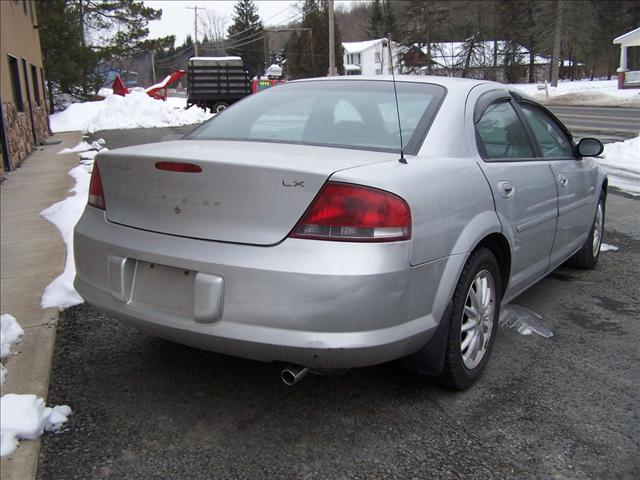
96, 193
355, 213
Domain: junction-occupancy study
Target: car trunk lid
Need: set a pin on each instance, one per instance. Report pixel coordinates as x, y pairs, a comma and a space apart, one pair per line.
242, 192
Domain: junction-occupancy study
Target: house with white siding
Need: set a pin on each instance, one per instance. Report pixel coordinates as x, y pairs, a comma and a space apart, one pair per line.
370, 57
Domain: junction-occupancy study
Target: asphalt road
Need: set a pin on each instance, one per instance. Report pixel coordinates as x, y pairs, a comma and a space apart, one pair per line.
564, 407
607, 124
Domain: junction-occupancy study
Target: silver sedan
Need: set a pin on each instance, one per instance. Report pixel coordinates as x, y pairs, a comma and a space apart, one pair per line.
327, 224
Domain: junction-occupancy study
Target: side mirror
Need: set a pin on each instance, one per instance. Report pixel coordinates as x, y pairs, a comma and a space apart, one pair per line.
590, 147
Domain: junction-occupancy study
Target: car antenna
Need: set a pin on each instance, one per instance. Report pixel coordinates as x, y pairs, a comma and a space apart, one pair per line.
395, 92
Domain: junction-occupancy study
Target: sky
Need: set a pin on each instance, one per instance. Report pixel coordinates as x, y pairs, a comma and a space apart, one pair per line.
177, 19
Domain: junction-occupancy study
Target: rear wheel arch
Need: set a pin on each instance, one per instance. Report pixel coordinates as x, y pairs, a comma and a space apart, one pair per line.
497, 244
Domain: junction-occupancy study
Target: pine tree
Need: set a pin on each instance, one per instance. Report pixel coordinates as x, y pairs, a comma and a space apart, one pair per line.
246, 36
375, 29
308, 56
68, 33
389, 20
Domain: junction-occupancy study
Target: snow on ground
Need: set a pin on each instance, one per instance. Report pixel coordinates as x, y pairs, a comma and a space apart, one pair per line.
22, 416
64, 215
621, 161
27, 417
10, 333
135, 110
605, 247
597, 93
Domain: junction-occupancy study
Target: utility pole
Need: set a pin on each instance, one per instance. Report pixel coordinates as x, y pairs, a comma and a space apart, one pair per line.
332, 43
195, 26
153, 65
266, 52
555, 56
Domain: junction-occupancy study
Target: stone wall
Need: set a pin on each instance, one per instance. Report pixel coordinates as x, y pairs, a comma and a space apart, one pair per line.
20, 133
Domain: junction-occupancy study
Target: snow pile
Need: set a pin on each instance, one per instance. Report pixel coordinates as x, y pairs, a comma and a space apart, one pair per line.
10, 332
64, 215
599, 93
135, 110
105, 92
621, 161
605, 247
27, 417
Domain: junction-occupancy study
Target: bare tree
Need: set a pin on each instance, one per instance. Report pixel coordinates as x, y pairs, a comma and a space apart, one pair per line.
214, 30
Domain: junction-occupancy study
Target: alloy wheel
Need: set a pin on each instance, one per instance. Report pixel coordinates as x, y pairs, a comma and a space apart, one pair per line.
477, 319
598, 228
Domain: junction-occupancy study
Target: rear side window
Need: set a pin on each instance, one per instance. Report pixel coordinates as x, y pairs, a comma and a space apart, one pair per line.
501, 135
337, 113
553, 142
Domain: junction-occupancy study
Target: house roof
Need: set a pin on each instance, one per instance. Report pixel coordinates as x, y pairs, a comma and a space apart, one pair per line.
629, 39
357, 47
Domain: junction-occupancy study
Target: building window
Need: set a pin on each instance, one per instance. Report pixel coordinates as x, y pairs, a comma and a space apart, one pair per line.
44, 91
36, 87
378, 71
14, 72
357, 59
378, 57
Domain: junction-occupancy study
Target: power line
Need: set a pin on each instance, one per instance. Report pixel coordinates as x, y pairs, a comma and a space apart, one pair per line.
259, 23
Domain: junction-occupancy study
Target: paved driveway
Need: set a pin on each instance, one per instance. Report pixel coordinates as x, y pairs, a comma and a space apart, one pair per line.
564, 407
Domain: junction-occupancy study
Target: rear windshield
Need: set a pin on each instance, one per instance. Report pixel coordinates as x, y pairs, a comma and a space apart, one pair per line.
342, 113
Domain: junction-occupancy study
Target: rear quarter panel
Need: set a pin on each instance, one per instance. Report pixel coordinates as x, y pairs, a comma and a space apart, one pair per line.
452, 207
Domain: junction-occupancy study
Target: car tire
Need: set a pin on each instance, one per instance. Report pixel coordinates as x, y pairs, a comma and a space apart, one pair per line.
461, 366
587, 257
219, 107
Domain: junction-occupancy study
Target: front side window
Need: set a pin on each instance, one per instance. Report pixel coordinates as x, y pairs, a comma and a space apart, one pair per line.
501, 135
553, 142
340, 113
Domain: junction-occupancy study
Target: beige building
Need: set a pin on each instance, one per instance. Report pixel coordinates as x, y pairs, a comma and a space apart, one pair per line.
23, 100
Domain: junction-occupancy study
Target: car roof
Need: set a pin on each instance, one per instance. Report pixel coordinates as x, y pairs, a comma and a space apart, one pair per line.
452, 83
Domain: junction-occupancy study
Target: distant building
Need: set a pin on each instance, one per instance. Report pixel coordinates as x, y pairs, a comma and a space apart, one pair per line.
23, 101
370, 57
628, 74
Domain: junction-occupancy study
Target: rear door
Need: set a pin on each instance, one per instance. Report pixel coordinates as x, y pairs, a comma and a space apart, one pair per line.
523, 186
575, 179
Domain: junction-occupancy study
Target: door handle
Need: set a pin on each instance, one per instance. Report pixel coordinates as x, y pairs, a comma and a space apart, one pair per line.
506, 189
562, 178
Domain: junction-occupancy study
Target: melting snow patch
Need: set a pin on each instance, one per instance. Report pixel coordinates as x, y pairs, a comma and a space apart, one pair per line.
605, 247
64, 215
25, 417
523, 320
84, 147
10, 333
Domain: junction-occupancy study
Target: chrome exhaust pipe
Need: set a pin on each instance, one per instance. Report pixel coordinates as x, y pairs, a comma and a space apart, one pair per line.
292, 374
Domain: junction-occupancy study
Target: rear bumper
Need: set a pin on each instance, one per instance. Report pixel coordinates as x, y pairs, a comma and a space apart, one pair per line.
315, 303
